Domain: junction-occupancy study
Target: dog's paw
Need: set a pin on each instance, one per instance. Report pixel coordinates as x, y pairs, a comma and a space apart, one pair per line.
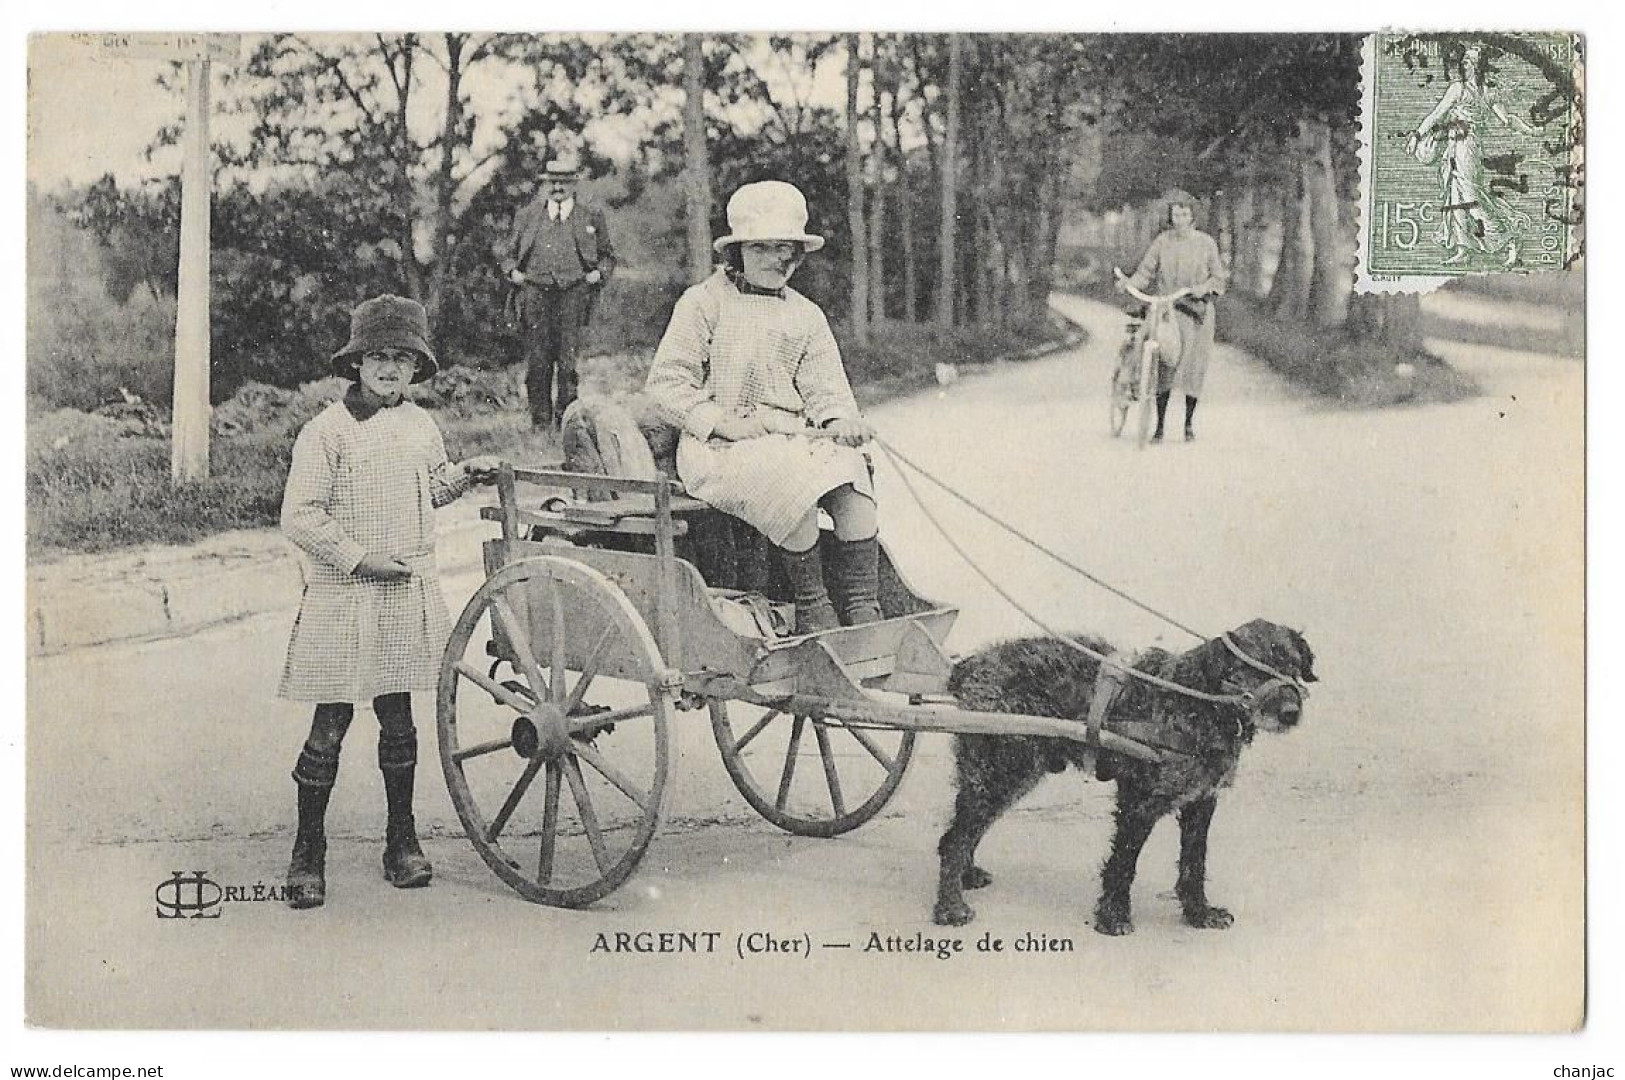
1209, 918
976, 878
1113, 921
952, 913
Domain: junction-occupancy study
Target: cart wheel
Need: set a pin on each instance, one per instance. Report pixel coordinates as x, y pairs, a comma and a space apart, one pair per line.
1148, 389
565, 629
811, 777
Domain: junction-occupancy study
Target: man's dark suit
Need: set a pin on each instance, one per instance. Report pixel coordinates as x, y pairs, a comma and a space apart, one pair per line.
555, 301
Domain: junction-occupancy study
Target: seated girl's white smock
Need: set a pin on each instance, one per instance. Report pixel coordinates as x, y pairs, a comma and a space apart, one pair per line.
728, 353
367, 487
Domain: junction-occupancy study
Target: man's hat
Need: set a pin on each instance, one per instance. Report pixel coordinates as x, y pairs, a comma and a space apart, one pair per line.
563, 167
768, 210
387, 322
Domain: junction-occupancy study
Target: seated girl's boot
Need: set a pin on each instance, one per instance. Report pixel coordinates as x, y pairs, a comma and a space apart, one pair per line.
854, 580
405, 865
805, 570
307, 880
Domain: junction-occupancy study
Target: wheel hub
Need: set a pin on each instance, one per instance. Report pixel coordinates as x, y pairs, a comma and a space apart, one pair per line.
541, 733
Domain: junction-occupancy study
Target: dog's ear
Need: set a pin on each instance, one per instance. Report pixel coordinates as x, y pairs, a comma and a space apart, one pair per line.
1306, 656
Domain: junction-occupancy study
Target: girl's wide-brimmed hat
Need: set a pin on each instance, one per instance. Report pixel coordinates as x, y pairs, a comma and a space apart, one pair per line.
768, 210
387, 322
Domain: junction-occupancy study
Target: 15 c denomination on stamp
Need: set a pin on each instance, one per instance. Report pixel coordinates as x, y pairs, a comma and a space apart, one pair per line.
1471, 156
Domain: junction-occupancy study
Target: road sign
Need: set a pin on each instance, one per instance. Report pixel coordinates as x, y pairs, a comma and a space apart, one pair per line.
145, 45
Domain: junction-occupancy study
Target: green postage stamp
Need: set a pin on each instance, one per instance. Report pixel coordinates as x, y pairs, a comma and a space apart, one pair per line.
1471, 156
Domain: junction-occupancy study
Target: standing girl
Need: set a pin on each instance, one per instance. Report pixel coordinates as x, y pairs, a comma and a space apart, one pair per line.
368, 472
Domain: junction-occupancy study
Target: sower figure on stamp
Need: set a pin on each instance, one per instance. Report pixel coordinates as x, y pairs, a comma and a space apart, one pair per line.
368, 472
1181, 257
558, 255
1472, 216
750, 373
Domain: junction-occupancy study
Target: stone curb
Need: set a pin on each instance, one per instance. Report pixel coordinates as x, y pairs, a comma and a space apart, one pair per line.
182, 595
181, 591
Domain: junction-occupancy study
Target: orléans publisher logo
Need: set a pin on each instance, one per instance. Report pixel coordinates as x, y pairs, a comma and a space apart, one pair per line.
192, 894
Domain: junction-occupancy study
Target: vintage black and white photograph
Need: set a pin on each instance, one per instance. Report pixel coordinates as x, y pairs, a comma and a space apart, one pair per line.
861, 530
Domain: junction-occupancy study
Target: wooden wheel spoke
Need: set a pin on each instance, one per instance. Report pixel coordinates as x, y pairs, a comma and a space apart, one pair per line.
589, 819
831, 775
593, 721
557, 683
589, 671
503, 612
550, 825
885, 759
511, 803
756, 729
495, 689
628, 786
480, 749
790, 761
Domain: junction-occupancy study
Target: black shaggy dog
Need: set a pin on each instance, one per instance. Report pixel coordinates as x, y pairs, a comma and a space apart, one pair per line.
1045, 677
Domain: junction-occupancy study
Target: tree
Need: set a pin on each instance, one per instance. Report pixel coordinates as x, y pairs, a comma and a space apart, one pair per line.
859, 312
696, 164
947, 270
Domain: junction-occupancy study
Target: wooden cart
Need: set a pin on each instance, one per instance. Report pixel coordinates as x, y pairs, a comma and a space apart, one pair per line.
596, 624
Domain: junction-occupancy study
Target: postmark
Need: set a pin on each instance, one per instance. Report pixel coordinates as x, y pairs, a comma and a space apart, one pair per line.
1471, 156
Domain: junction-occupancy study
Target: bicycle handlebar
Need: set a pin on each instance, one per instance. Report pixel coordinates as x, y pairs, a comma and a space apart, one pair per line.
1123, 280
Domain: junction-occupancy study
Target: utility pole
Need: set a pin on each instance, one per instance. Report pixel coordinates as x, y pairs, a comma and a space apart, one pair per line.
189, 441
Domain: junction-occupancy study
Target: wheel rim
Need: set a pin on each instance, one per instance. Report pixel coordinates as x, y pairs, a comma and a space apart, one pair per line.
1148, 368
810, 777
582, 712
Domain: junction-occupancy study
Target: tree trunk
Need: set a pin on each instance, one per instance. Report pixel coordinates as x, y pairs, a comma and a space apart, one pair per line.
1392, 319
905, 202
1333, 280
445, 185
1048, 235
859, 313
1247, 262
877, 204
946, 247
1289, 293
696, 161
405, 153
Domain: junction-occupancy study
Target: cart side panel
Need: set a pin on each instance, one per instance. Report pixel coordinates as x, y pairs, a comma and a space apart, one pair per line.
703, 640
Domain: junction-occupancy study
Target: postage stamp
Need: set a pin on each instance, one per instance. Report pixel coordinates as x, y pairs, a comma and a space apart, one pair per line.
1471, 156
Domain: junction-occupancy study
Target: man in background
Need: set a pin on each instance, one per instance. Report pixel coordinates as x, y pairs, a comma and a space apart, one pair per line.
557, 257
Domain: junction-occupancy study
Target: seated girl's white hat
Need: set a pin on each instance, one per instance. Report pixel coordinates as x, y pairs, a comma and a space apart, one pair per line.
768, 210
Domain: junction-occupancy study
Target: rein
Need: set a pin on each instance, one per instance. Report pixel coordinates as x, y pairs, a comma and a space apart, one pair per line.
1244, 699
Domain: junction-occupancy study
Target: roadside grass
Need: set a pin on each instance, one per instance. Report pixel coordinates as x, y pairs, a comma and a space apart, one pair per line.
1556, 291
95, 485
1337, 365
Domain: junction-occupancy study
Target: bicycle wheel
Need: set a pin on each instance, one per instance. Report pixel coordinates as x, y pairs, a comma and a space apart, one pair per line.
1122, 399
1148, 389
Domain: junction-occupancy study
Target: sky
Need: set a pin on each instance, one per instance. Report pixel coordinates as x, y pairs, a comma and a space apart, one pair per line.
90, 113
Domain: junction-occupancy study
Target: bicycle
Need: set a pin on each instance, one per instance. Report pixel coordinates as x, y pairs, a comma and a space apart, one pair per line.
1135, 379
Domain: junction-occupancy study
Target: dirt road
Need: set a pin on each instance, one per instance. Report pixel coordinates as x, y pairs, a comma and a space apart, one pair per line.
1410, 859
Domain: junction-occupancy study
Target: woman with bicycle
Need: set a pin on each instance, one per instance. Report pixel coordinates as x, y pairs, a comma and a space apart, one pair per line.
1181, 257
